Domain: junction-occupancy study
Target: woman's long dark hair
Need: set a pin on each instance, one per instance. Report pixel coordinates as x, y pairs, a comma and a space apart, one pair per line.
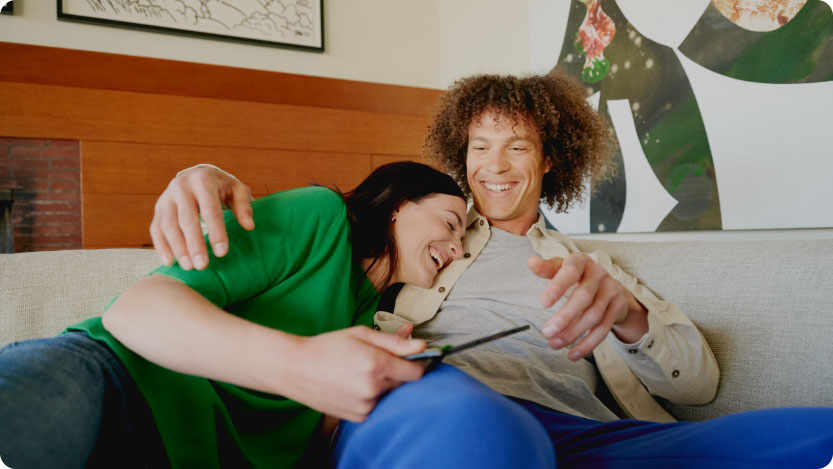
372, 204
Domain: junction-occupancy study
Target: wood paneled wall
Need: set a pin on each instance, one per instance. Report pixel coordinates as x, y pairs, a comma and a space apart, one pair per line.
141, 120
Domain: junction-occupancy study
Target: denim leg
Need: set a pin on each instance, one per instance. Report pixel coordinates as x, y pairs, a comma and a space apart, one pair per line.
771, 438
446, 419
68, 402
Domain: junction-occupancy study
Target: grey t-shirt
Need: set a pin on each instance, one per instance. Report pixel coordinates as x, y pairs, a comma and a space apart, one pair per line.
497, 291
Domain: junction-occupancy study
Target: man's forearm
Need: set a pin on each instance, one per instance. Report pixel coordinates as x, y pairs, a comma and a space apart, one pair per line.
635, 324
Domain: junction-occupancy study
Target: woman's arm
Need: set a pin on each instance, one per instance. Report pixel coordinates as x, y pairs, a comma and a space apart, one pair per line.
341, 373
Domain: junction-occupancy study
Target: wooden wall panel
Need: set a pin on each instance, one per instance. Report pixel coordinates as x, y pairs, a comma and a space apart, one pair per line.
141, 120
122, 180
38, 111
379, 160
139, 168
117, 220
37, 64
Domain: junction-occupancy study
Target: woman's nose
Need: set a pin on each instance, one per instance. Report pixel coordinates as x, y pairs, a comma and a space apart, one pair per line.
456, 249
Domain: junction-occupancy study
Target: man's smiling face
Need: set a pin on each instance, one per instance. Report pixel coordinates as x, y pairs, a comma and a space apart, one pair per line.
505, 168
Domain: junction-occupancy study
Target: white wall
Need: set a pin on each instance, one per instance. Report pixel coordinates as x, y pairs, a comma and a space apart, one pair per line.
381, 41
425, 43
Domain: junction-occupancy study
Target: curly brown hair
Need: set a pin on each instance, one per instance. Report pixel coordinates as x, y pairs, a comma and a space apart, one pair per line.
575, 138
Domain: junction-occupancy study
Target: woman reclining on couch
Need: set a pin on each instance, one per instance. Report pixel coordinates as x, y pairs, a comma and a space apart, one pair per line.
234, 365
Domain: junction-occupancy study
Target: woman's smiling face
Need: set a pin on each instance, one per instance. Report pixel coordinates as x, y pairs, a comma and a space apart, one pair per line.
429, 235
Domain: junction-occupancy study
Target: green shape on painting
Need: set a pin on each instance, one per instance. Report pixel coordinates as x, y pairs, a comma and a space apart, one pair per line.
597, 72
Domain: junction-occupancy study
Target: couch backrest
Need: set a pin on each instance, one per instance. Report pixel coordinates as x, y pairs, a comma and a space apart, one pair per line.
765, 308
41, 293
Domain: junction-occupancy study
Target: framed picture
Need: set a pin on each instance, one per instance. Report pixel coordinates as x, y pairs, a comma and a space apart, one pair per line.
295, 24
7, 7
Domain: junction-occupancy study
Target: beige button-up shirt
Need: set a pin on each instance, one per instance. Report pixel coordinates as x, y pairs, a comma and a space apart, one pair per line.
672, 360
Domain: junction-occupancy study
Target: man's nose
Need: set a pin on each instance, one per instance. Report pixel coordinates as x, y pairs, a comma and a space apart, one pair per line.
497, 162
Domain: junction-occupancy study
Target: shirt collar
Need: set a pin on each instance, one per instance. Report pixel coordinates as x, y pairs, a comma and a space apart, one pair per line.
538, 228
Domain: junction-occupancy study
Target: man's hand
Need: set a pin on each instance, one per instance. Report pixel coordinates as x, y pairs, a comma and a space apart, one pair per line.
343, 373
175, 229
597, 304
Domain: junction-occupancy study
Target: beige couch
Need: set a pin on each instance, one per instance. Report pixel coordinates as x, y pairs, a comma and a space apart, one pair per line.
766, 307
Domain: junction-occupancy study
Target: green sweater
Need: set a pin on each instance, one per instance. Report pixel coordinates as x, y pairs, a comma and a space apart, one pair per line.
295, 273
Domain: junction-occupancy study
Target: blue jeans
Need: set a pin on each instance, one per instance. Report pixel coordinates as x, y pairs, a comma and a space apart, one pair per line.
449, 420
68, 402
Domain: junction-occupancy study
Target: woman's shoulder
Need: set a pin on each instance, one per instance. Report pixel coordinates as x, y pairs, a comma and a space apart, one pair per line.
313, 199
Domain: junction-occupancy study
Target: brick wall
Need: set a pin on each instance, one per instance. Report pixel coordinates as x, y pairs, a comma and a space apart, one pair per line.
46, 178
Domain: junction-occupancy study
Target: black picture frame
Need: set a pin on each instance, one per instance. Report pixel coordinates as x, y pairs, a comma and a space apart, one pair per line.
8, 9
72, 10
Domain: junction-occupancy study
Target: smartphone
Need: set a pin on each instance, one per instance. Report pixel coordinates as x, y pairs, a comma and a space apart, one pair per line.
436, 354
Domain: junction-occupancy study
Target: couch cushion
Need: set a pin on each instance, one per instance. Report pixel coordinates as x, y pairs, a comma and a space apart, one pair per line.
43, 292
765, 308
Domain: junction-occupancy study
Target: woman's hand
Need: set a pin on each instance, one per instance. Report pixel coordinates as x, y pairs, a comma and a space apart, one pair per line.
343, 373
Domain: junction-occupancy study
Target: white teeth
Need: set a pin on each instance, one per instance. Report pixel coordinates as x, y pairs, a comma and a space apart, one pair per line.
497, 187
437, 258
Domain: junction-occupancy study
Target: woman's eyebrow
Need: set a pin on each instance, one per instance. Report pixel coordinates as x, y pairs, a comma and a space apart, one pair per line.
459, 220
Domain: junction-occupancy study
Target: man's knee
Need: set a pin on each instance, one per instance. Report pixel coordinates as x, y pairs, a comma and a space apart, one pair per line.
447, 418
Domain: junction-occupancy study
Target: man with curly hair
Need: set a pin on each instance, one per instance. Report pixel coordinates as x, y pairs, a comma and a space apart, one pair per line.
601, 344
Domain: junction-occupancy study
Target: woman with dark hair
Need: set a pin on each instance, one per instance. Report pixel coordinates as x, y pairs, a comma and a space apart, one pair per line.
235, 365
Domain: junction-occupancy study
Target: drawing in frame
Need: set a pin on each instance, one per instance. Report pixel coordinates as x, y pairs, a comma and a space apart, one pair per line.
294, 24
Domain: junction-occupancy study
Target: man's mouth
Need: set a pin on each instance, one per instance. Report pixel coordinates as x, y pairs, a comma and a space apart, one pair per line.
498, 187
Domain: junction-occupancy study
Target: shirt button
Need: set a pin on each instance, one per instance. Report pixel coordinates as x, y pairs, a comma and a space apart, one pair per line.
467, 255
675, 373
632, 350
377, 327
650, 344
442, 289
481, 222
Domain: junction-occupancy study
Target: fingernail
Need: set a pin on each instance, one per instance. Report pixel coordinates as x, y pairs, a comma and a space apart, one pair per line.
220, 249
573, 355
185, 262
200, 262
556, 343
167, 260
550, 330
547, 299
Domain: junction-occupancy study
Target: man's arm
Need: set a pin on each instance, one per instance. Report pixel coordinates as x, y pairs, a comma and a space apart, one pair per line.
200, 190
596, 305
662, 347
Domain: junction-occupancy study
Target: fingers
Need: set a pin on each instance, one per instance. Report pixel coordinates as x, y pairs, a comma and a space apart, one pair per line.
594, 304
405, 330
569, 272
391, 366
593, 323
392, 343
189, 222
211, 210
594, 337
241, 205
545, 268
160, 245
169, 227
